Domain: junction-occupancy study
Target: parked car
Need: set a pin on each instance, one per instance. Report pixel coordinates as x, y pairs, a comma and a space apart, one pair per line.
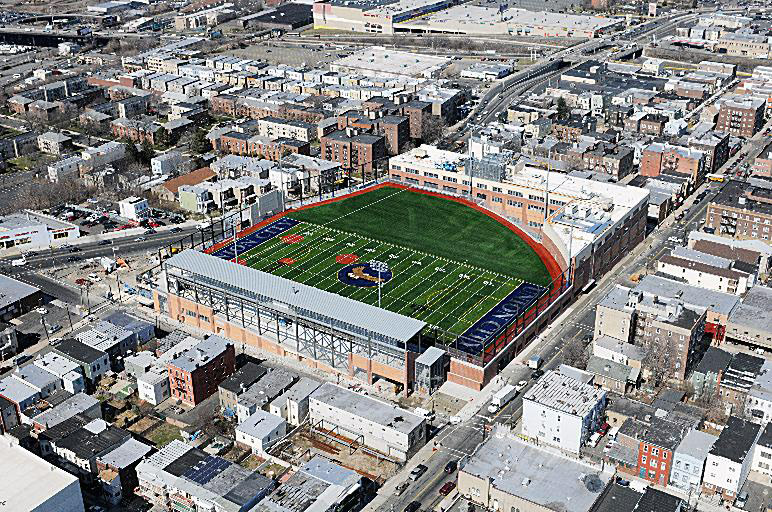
140, 239
41, 310
94, 278
418, 471
53, 328
413, 506
451, 466
521, 385
175, 230
447, 488
105, 242
22, 359
401, 488
536, 374
603, 430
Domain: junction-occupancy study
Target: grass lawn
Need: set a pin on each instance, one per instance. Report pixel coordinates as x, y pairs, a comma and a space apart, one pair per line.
164, 434
433, 225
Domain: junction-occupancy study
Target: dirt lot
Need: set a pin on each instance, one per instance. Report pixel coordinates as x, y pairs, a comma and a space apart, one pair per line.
305, 445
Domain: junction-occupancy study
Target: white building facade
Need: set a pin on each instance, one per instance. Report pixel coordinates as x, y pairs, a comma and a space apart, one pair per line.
562, 412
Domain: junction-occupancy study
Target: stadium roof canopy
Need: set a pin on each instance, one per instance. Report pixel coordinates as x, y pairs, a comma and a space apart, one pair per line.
306, 301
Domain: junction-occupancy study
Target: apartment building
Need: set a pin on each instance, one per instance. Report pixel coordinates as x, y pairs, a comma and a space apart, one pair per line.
742, 211
358, 154
196, 373
277, 127
740, 115
658, 158
729, 460
689, 461
705, 270
762, 453
561, 411
651, 321
738, 379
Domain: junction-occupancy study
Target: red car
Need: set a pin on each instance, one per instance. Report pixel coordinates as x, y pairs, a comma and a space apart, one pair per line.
447, 488
603, 430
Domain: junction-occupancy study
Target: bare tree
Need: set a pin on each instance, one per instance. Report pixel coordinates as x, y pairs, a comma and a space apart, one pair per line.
576, 353
432, 129
659, 360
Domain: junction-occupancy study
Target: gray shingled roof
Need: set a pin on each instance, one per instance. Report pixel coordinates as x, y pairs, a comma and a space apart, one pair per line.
307, 301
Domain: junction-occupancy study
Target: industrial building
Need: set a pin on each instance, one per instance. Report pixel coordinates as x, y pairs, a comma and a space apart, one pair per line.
381, 428
375, 16
472, 19
17, 298
388, 62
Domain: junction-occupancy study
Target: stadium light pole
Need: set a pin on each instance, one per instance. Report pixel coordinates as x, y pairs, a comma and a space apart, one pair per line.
379, 266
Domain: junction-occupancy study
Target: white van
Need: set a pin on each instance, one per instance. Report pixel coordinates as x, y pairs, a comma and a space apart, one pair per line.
19, 262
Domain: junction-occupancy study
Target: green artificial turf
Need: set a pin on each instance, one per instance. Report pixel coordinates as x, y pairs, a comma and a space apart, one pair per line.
433, 225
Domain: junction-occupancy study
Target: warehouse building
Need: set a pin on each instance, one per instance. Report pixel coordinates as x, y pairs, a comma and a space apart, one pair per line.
374, 16
17, 298
382, 428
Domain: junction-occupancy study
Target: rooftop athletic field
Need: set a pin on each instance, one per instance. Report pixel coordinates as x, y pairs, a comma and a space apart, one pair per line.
446, 263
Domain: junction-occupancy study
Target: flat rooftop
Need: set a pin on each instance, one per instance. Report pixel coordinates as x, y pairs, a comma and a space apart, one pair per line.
535, 475
29, 482
564, 394
12, 290
387, 60
357, 404
755, 310
467, 17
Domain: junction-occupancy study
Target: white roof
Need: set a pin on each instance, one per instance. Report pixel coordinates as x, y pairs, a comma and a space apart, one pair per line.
564, 394
260, 424
56, 364
30, 482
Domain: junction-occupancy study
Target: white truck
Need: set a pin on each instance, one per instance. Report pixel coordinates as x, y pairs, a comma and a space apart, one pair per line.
502, 397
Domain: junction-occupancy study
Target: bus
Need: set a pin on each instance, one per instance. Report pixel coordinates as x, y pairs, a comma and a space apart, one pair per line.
718, 178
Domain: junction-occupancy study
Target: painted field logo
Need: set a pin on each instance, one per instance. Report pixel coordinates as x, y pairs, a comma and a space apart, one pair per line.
363, 275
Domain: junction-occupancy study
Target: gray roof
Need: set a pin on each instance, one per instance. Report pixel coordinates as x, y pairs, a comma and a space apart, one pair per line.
755, 310
509, 462
200, 353
327, 471
629, 350
12, 290
260, 424
126, 454
718, 302
16, 390
696, 444
611, 369
306, 301
430, 356
35, 376
67, 409
377, 411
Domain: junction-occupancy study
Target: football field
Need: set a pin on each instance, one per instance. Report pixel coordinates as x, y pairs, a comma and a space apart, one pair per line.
441, 292
431, 259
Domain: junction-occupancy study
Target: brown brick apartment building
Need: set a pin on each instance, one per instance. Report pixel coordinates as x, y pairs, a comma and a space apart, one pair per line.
357, 154
741, 211
658, 157
196, 373
741, 116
